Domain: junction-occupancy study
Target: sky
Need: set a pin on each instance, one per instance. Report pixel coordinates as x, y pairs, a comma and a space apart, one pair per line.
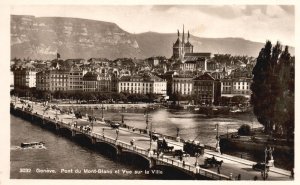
251, 22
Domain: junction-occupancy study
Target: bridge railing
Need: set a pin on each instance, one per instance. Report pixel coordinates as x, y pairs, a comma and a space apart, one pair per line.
193, 169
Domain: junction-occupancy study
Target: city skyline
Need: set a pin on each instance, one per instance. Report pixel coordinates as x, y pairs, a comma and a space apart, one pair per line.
250, 22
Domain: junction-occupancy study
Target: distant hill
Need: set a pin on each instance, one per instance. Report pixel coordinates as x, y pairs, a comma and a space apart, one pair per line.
43, 37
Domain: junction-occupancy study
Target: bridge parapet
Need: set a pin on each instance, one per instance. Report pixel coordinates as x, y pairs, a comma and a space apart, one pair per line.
191, 169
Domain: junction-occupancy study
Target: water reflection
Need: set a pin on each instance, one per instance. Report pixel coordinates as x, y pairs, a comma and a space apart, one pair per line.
190, 125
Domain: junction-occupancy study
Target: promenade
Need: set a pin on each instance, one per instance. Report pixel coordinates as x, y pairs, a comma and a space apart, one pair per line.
101, 131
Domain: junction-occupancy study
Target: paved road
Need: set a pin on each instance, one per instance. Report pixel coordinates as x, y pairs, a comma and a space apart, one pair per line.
232, 166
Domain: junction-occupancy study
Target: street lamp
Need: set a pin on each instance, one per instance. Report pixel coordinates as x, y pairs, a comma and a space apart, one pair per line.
217, 138
102, 110
147, 119
197, 155
56, 107
150, 137
92, 118
117, 132
147, 129
264, 173
177, 135
122, 114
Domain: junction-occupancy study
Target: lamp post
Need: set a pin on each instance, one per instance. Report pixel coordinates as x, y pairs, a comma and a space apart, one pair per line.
148, 127
117, 132
217, 138
177, 135
147, 119
264, 172
122, 114
150, 137
197, 156
102, 111
92, 121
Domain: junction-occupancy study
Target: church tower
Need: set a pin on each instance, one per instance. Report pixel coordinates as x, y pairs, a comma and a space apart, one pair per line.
177, 47
180, 47
188, 46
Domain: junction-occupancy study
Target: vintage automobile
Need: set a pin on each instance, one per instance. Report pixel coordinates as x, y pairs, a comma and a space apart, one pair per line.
114, 125
260, 166
212, 162
193, 148
163, 146
154, 136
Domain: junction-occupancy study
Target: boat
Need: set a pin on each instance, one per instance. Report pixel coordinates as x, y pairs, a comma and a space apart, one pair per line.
32, 144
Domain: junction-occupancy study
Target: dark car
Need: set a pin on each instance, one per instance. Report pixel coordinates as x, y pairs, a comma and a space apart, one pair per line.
260, 166
154, 136
114, 125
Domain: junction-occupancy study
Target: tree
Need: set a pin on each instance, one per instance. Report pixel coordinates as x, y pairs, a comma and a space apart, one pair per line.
244, 130
176, 97
272, 96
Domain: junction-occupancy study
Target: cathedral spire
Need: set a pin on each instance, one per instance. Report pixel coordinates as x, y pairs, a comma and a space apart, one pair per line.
178, 33
188, 36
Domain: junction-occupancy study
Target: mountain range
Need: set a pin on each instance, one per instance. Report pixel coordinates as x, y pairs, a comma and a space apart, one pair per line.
44, 37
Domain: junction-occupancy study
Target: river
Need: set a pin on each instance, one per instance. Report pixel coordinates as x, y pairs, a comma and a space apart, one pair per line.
59, 153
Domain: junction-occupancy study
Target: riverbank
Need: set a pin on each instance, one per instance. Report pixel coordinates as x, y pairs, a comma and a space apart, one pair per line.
283, 150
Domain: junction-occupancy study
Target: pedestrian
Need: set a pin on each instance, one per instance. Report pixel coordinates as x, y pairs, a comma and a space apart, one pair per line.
239, 177
218, 169
255, 178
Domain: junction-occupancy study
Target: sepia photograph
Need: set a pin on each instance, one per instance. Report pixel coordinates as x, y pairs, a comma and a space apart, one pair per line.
152, 92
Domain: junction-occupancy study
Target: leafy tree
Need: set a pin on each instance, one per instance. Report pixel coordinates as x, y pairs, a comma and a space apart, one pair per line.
244, 130
272, 93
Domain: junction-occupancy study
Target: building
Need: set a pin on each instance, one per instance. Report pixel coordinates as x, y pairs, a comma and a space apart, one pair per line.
236, 87
75, 79
188, 66
212, 66
43, 80
145, 84
180, 47
182, 85
59, 80
96, 82
168, 76
184, 50
242, 72
206, 89
24, 77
